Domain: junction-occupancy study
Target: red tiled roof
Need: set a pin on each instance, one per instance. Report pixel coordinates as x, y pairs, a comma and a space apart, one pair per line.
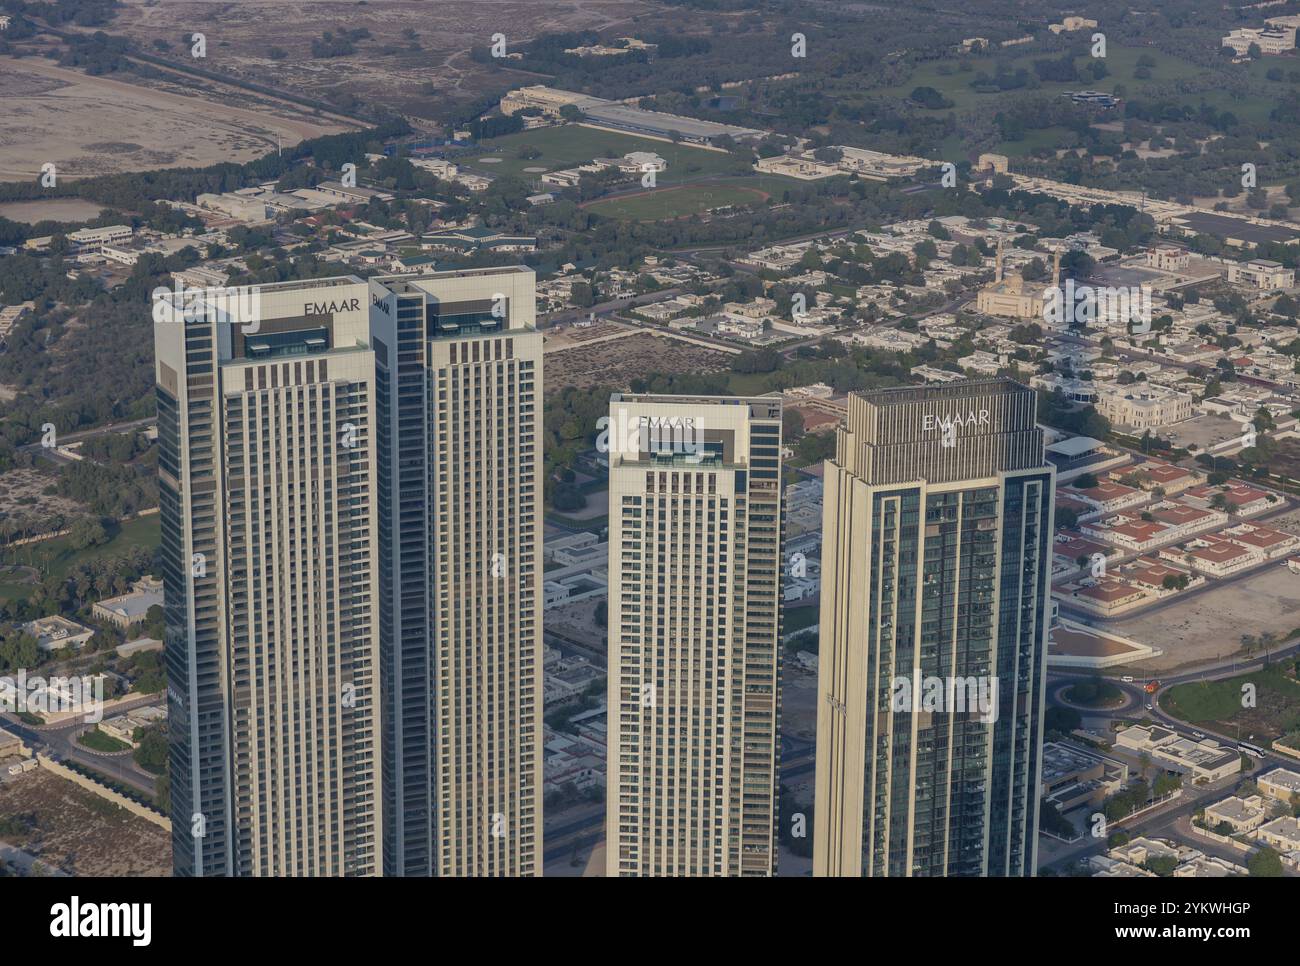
1139, 530
1220, 552
1260, 537
1180, 514
1109, 591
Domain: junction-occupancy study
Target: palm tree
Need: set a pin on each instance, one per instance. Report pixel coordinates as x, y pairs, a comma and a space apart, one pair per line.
1266, 641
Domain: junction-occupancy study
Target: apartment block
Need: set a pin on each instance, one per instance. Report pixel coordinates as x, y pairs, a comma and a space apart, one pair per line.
350, 485
694, 635
937, 548
459, 479
269, 541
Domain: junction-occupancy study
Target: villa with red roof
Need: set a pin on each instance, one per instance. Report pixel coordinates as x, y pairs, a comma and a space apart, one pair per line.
1222, 559
1170, 522
1109, 597
1131, 533
1149, 572
1172, 479
1242, 500
1270, 543
1107, 496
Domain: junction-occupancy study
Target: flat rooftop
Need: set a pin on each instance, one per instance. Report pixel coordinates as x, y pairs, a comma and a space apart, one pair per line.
623, 114
1224, 227
966, 389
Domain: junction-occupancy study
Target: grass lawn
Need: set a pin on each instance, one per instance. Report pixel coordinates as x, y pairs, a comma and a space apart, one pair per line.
1048, 137
800, 618
1094, 693
1276, 708
96, 740
56, 557
749, 383
571, 145
945, 77
676, 202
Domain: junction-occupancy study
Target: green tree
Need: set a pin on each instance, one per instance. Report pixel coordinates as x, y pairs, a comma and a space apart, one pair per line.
1265, 864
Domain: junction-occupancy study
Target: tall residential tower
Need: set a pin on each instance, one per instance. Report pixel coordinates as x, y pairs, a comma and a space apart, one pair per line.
694, 635
459, 444
269, 540
351, 533
937, 544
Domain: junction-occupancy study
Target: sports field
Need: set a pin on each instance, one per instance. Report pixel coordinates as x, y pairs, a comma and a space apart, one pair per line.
573, 144
677, 202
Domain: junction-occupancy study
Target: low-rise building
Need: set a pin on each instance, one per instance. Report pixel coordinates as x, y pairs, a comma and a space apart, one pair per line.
796, 166
1261, 273
1151, 407
1281, 833
1241, 814
1073, 776
1281, 784
1240, 499
127, 726
1071, 24
475, 239
92, 239
1168, 258
130, 609
56, 633
1205, 759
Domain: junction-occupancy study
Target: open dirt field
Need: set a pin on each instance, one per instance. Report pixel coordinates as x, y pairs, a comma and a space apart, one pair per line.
81, 833
1211, 624
617, 362
21, 493
388, 66
91, 126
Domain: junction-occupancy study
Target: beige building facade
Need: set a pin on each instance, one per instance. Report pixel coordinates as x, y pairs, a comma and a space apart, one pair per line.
937, 543
459, 389
694, 635
269, 541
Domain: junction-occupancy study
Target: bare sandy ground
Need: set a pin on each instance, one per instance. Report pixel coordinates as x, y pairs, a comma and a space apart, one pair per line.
241, 35
80, 833
91, 126
1211, 624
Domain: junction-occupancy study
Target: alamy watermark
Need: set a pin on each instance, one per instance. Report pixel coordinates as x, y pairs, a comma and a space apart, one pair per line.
658, 435
240, 306
945, 695
1086, 304
82, 695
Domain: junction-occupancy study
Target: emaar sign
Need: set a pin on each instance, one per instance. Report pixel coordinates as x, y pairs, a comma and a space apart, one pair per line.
933, 421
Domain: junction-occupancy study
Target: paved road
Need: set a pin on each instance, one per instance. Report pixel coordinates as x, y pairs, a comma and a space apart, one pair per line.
64, 438
1151, 823
60, 743
1171, 820
23, 861
605, 308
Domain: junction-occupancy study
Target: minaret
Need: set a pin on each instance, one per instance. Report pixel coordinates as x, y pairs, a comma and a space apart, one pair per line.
1056, 269
998, 274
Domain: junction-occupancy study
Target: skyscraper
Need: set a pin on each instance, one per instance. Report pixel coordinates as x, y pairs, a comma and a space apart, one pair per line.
351, 528
267, 506
459, 460
936, 589
694, 635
